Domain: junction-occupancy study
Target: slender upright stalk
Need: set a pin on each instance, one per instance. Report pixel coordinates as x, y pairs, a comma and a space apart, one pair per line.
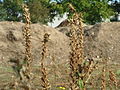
45, 82
113, 79
76, 55
28, 57
103, 79
27, 36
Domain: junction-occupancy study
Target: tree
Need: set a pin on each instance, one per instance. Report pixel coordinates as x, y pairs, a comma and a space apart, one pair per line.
39, 11
93, 11
116, 6
3, 12
13, 10
43, 11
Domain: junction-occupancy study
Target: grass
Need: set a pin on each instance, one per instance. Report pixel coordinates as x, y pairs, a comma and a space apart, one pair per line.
61, 79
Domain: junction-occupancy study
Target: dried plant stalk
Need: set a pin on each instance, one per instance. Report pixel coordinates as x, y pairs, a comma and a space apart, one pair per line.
27, 36
76, 55
103, 79
45, 82
113, 79
88, 69
81, 69
26, 68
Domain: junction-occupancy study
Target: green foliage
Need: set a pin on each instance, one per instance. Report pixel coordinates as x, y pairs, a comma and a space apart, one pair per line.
93, 10
118, 73
43, 11
3, 13
81, 84
11, 10
39, 11
116, 5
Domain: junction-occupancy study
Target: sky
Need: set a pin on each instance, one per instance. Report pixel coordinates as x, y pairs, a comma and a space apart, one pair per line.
57, 21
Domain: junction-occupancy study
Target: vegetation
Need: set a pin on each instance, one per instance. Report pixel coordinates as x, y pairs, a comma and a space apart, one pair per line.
80, 69
93, 11
116, 7
43, 11
11, 10
39, 11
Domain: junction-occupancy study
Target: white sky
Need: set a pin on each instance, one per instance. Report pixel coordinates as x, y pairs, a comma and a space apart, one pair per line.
57, 21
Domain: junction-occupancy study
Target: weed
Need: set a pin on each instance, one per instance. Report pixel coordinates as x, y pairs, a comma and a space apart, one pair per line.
81, 69
76, 55
103, 79
45, 82
26, 68
113, 80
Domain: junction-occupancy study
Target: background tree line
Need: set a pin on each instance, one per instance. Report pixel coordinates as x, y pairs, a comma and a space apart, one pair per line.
43, 11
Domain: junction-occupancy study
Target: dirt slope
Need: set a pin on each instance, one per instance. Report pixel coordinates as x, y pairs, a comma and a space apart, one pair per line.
101, 40
11, 42
104, 41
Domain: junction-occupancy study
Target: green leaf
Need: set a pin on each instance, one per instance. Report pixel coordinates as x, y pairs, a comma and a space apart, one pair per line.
81, 84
